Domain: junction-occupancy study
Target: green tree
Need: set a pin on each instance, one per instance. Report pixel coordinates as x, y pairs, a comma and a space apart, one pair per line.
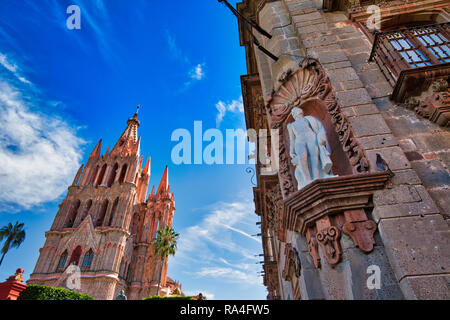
13, 235
165, 245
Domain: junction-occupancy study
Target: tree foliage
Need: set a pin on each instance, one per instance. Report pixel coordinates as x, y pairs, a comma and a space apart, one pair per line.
13, 236
38, 292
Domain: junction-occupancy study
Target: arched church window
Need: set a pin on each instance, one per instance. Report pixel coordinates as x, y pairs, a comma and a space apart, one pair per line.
72, 214
121, 267
76, 255
86, 209
93, 175
128, 274
103, 210
62, 262
123, 173
87, 260
101, 175
113, 212
113, 175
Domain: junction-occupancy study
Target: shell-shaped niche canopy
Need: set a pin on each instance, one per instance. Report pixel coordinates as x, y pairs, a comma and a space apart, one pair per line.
306, 85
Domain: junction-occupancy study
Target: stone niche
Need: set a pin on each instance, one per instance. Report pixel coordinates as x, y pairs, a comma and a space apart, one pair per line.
325, 208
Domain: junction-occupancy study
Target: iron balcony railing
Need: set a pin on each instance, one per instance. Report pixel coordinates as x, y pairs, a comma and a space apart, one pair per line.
413, 48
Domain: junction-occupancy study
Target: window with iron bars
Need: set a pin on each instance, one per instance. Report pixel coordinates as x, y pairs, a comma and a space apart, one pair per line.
401, 50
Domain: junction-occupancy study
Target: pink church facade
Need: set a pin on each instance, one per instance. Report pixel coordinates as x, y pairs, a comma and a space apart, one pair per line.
106, 224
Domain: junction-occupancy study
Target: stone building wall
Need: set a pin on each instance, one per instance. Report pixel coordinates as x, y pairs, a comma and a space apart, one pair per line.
412, 243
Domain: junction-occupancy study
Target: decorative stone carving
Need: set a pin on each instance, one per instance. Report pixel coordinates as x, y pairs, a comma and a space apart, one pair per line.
309, 148
292, 264
329, 241
308, 82
361, 233
274, 207
321, 209
271, 280
434, 104
313, 248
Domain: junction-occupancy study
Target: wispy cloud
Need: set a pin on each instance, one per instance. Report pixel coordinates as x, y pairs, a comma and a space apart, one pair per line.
228, 274
174, 49
221, 241
197, 72
235, 106
12, 67
39, 153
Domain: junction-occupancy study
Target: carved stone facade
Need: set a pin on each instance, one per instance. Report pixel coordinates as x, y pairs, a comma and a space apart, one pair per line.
391, 163
105, 226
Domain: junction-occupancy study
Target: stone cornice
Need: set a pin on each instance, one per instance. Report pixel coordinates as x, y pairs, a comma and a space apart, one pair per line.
325, 197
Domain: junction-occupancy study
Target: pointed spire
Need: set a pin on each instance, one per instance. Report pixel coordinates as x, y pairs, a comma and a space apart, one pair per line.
96, 152
147, 167
129, 142
107, 151
77, 177
140, 161
164, 184
151, 196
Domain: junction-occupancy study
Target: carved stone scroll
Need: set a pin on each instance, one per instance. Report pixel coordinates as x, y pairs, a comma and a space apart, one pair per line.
328, 237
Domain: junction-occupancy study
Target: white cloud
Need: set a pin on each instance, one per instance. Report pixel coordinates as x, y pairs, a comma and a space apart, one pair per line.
228, 274
197, 72
236, 106
221, 241
175, 51
12, 67
39, 153
208, 295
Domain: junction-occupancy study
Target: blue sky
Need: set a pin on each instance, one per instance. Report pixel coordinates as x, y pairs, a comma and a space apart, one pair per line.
62, 90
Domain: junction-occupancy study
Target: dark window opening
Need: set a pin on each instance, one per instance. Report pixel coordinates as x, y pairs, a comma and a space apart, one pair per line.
112, 177
87, 260
76, 255
103, 210
101, 175
123, 173
62, 262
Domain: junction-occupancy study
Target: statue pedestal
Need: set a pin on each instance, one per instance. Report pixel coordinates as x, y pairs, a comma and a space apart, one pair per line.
327, 207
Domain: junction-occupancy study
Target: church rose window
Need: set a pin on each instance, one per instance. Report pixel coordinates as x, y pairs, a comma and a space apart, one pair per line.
62, 262
87, 260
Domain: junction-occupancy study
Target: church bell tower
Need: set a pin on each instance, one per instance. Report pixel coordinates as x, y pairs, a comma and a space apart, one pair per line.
105, 225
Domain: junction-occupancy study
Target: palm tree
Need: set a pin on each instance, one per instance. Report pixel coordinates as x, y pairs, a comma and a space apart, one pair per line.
165, 246
13, 235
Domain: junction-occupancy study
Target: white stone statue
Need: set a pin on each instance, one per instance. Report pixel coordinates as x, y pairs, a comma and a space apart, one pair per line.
309, 148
